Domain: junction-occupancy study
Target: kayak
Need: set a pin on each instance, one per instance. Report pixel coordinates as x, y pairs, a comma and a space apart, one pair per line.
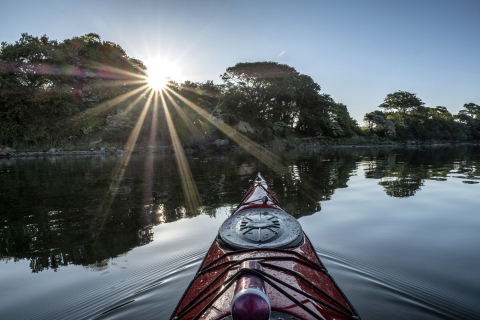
262, 266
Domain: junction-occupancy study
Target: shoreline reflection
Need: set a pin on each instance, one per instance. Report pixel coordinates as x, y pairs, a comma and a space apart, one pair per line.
51, 212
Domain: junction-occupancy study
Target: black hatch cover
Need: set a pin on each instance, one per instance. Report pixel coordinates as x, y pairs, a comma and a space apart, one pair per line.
261, 228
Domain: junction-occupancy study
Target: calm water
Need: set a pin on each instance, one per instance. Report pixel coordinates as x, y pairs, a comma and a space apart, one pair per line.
399, 229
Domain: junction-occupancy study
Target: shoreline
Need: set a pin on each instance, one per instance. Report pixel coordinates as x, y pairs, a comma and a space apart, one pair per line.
169, 149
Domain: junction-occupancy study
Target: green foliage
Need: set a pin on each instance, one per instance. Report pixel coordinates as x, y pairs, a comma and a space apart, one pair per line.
44, 83
414, 121
472, 109
341, 116
267, 92
402, 102
52, 92
377, 124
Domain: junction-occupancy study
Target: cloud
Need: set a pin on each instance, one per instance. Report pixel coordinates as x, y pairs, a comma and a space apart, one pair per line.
281, 54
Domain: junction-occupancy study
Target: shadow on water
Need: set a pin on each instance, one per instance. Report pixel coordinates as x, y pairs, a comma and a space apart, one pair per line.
53, 212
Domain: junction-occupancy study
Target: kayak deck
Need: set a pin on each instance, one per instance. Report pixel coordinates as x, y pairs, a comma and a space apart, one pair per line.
296, 282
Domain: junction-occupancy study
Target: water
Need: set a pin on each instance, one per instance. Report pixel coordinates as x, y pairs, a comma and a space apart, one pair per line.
397, 228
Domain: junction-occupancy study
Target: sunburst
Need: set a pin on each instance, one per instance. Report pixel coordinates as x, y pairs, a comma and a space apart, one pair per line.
160, 71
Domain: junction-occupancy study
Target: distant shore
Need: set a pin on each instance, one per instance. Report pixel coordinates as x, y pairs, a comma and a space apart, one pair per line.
7, 152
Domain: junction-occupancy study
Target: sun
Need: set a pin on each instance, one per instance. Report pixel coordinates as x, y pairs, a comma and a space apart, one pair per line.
160, 71
156, 82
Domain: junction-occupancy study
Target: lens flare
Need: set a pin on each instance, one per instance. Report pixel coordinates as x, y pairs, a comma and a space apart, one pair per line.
149, 160
255, 149
188, 184
309, 186
195, 132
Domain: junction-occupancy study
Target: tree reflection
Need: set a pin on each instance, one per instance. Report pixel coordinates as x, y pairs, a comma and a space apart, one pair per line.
52, 212
403, 171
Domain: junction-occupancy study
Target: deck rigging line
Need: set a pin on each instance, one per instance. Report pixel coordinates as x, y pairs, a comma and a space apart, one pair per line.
339, 308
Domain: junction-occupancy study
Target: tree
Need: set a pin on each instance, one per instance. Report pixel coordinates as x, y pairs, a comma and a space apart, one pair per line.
441, 113
314, 117
472, 109
469, 117
402, 102
377, 123
339, 115
267, 92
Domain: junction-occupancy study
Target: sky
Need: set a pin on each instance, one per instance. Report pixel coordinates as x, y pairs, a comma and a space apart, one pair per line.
357, 51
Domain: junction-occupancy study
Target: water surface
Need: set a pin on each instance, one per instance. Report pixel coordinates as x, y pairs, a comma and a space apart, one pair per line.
397, 228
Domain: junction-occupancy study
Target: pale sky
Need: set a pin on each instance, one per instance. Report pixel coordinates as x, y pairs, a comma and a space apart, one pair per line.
357, 51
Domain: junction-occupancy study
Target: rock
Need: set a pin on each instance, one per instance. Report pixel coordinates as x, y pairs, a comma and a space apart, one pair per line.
92, 149
102, 150
7, 152
119, 152
112, 150
53, 150
222, 144
245, 127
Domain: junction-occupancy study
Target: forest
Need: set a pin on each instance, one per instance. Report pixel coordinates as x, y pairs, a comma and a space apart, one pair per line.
85, 91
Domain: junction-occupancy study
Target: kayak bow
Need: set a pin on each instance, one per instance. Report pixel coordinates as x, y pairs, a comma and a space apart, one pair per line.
262, 266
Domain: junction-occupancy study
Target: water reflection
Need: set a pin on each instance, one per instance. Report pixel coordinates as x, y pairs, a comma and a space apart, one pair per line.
51, 210
403, 174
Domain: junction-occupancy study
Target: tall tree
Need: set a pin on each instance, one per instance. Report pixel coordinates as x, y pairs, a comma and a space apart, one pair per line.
267, 91
402, 102
472, 109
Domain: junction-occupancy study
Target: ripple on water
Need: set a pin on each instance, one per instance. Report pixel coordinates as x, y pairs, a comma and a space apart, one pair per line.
378, 289
60, 203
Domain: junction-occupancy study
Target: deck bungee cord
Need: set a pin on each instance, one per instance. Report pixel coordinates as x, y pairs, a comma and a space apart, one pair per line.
266, 277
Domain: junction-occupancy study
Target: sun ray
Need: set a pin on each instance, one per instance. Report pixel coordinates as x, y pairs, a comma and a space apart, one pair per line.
188, 184
119, 170
149, 159
112, 102
255, 149
132, 139
115, 70
118, 83
134, 103
103, 71
268, 158
196, 133
188, 89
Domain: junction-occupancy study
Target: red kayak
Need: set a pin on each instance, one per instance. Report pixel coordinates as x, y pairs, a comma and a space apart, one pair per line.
262, 266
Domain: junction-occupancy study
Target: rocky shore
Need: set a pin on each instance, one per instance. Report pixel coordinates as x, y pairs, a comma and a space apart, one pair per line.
306, 143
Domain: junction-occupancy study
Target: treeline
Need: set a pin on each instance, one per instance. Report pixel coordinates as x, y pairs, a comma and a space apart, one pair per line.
85, 91
74, 91
44, 83
405, 117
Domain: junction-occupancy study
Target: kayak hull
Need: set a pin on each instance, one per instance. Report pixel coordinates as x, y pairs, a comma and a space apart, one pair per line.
302, 288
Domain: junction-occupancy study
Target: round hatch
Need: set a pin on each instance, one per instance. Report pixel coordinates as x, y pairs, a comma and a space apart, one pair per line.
261, 228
